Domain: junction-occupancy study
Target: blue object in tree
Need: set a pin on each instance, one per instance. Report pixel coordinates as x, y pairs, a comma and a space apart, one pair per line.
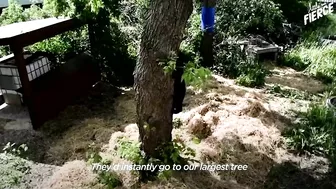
208, 19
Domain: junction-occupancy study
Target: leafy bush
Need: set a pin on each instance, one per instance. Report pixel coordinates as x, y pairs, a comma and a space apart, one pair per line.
13, 13
228, 58
174, 152
196, 76
249, 17
131, 151
233, 62
108, 42
64, 46
254, 77
321, 28
110, 48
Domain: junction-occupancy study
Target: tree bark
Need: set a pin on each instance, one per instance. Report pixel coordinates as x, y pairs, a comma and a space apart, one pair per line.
162, 35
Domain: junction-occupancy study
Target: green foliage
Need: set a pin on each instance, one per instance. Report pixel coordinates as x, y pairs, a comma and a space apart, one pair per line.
168, 67
132, 17
229, 58
177, 123
110, 43
63, 46
16, 150
277, 90
248, 17
165, 175
196, 140
109, 179
330, 90
12, 167
233, 62
316, 133
252, 76
168, 64
195, 75
109, 46
130, 151
321, 28
319, 60
293, 60
12, 14
92, 154
176, 152
193, 34
12, 170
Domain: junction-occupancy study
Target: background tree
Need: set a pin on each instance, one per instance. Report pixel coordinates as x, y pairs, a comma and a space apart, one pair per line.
162, 35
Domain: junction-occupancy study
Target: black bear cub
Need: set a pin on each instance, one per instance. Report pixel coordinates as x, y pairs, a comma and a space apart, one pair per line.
179, 83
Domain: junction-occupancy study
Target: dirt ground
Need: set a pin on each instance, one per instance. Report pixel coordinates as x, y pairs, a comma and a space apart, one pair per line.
244, 127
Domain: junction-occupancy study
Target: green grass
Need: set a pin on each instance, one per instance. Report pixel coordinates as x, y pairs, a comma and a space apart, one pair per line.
324, 28
309, 55
316, 60
279, 91
316, 133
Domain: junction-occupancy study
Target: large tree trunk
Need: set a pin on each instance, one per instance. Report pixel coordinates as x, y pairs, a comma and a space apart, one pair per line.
154, 90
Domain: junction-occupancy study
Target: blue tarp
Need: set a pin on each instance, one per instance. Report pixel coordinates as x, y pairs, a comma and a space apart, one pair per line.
208, 19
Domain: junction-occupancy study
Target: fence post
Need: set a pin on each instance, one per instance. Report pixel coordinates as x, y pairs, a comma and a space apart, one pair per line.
26, 85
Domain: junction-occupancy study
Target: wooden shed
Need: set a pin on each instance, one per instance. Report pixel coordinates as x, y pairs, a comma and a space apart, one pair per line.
49, 93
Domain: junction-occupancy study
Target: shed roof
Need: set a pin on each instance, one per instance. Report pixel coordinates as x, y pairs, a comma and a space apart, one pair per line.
29, 32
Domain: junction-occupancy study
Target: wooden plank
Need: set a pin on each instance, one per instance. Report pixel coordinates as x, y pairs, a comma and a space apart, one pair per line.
26, 85
39, 30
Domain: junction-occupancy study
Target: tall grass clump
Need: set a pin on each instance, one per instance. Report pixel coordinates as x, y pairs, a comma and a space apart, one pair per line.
315, 59
316, 133
311, 54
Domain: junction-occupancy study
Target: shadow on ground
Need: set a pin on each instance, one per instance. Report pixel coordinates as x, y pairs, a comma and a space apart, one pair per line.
262, 173
288, 176
289, 77
90, 119
216, 85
